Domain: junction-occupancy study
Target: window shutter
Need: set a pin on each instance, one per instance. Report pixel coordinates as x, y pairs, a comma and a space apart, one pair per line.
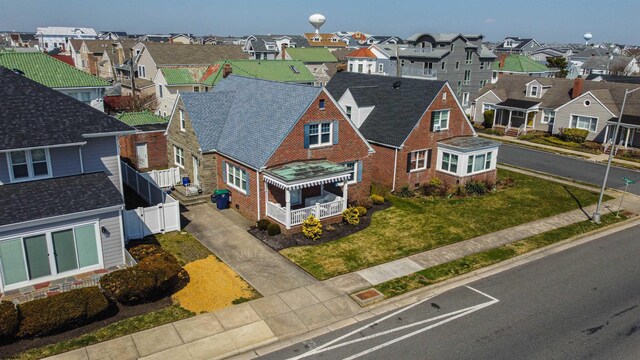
224, 171
335, 132
408, 162
433, 120
306, 136
359, 171
246, 173
428, 158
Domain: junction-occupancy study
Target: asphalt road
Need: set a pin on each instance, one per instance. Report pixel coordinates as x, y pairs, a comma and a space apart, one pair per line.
582, 303
578, 169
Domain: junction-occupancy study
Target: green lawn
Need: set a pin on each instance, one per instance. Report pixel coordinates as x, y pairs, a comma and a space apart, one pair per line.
473, 262
418, 224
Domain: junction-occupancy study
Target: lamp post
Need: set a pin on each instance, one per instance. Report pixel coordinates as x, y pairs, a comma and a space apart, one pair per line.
596, 214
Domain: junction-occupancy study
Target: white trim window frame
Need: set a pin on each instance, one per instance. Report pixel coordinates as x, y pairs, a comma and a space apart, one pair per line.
534, 91
449, 163
578, 122
380, 68
469, 57
32, 161
236, 178
53, 265
353, 176
183, 121
320, 134
419, 160
178, 156
548, 116
439, 119
465, 99
478, 163
347, 110
488, 106
142, 71
467, 77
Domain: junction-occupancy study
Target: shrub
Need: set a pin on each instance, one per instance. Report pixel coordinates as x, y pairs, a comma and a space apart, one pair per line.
377, 189
263, 224
366, 203
9, 320
405, 192
377, 199
351, 216
312, 228
460, 191
329, 227
362, 211
60, 312
488, 118
432, 187
474, 187
574, 135
273, 229
140, 252
155, 276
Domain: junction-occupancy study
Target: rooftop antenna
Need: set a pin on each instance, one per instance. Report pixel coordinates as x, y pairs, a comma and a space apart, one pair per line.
317, 20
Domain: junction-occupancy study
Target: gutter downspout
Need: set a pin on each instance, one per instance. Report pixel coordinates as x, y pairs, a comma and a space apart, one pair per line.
258, 191
395, 168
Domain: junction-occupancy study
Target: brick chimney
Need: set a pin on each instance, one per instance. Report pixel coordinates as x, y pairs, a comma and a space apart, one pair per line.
503, 58
226, 71
284, 51
578, 83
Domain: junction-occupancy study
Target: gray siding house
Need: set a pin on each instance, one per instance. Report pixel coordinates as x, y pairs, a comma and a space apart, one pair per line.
60, 184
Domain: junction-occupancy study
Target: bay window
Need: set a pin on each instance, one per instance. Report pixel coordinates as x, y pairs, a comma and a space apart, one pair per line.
479, 162
449, 162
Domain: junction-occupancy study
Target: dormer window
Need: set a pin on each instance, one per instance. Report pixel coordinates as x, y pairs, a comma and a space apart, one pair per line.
534, 91
316, 39
29, 164
508, 43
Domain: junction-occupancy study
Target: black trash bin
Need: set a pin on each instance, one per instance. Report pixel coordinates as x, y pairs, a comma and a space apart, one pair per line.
221, 198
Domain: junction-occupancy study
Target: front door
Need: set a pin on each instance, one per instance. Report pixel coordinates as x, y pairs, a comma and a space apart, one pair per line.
196, 171
141, 154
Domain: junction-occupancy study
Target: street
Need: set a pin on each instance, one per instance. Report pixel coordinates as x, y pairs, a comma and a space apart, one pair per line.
581, 303
573, 168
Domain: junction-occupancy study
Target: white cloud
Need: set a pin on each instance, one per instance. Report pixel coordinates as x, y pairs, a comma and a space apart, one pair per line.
489, 20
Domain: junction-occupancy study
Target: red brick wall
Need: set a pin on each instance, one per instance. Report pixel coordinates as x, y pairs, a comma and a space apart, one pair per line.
247, 205
421, 138
489, 176
156, 149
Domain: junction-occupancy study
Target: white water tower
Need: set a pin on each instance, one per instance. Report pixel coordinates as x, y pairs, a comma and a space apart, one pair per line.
317, 20
587, 37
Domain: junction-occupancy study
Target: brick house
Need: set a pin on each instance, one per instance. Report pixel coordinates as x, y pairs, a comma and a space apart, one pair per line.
147, 148
284, 151
417, 128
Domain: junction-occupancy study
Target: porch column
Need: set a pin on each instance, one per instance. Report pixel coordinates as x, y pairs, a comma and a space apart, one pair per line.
287, 197
266, 198
345, 194
526, 120
606, 132
509, 122
495, 115
626, 140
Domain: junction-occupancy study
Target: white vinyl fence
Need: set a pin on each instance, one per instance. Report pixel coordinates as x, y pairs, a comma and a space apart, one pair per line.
165, 178
162, 216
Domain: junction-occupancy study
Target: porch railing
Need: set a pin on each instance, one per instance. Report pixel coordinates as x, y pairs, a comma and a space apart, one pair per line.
298, 216
522, 129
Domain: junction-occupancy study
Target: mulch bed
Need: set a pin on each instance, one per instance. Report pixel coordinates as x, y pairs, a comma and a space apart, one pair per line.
342, 229
7, 351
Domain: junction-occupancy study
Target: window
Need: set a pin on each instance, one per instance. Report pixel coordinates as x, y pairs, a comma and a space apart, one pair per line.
440, 120
178, 156
479, 163
294, 69
296, 196
419, 160
236, 178
443, 65
482, 65
459, 89
348, 111
29, 164
206, 89
353, 175
584, 122
467, 77
486, 107
142, 72
469, 58
360, 68
534, 91
457, 65
465, 99
28, 258
321, 104
494, 76
402, 62
160, 92
183, 121
350, 67
380, 68
449, 162
444, 96
549, 115
319, 134
196, 89
452, 47
587, 103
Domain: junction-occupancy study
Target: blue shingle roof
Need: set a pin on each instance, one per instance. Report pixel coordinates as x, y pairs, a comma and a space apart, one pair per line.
247, 119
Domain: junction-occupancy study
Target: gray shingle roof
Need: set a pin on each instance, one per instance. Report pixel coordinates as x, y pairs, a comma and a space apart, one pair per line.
192, 54
396, 111
35, 115
260, 46
247, 119
42, 199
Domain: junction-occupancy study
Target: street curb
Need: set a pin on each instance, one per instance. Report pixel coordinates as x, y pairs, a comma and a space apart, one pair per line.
444, 286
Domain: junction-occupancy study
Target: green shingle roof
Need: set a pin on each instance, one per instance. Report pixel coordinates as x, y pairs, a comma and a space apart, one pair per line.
293, 71
520, 64
48, 71
184, 75
313, 55
141, 118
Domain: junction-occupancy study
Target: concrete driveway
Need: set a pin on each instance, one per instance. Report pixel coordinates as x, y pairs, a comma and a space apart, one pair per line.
225, 234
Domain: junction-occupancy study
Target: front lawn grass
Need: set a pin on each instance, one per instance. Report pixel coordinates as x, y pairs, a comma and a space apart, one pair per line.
115, 330
473, 262
419, 224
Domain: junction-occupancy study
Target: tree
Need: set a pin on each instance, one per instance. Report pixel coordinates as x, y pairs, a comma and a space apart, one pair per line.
560, 63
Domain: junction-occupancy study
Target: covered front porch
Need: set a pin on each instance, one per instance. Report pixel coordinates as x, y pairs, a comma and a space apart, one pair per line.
294, 191
515, 115
628, 135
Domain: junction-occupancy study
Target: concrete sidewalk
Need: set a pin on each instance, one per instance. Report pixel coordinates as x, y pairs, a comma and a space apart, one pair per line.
599, 158
307, 307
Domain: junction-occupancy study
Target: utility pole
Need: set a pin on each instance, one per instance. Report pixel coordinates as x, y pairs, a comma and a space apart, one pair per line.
132, 75
398, 69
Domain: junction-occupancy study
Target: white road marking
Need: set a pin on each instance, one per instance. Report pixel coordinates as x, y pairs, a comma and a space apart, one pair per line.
447, 318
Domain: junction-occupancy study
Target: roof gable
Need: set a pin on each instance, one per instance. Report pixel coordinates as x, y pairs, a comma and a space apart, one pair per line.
192, 54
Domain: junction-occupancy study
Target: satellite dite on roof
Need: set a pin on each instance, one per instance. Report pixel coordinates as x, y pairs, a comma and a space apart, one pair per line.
317, 20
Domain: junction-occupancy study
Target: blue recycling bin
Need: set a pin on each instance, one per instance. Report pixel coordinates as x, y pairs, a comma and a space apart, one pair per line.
221, 198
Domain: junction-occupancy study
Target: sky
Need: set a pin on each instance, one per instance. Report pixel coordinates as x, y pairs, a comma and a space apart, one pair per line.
562, 21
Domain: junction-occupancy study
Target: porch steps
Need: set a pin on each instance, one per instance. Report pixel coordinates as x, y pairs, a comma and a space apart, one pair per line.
513, 132
185, 200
